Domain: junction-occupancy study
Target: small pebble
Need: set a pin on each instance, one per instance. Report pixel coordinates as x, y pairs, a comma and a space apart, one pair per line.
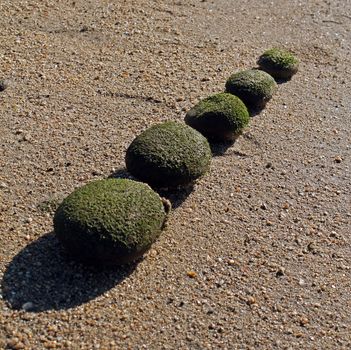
50, 345
4, 84
84, 29
191, 274
280, 272
96, 172
24, 136
15, 344
303, 321
153, 253
27, 306
338, 159
29, 220
250, 300
3, 185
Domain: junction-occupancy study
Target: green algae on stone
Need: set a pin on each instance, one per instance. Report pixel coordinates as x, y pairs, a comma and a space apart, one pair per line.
110, 222
254, 87
279, 63
168, 155
219, 117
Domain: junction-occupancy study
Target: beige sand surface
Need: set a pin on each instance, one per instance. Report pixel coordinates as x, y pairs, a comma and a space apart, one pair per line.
266, 232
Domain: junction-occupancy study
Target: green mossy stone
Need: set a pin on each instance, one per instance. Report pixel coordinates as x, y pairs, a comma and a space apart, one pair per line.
110, 222
220, 117
279, 63
254, 87
168, 155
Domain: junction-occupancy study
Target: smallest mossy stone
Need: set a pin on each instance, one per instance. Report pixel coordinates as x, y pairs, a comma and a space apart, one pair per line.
220, 117
279, 63
110, 222
254, 87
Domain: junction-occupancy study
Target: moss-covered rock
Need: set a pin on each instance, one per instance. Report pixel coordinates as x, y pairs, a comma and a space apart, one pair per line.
110, 222
254, 87
279, 63
219, 117
168, 155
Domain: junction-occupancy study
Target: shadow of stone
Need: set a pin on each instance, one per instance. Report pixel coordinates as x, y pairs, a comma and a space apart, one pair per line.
282, 81
42, 277
279, 81
220, 148
177, 196
121, 173
254, 112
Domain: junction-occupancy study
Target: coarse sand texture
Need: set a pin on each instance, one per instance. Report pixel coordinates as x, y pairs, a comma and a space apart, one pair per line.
254, 87
110, 222
256, 252
219, 117
168, 155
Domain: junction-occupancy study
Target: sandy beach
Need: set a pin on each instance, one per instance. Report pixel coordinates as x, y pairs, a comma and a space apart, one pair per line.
257, 255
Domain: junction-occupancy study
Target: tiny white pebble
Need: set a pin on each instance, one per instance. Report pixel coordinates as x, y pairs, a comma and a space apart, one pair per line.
27, 306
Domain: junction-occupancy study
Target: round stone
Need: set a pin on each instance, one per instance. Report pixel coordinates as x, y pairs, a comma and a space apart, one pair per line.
220, 117
279, 63
3, 85
110, 222
254, 87
168, 155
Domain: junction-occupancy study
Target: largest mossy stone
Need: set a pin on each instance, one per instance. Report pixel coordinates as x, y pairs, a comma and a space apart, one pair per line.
254, 87
110, 222
219, 117
279, 63
168, 155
